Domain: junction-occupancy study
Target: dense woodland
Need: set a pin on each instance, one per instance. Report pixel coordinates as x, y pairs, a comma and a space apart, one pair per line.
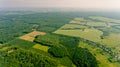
27, 58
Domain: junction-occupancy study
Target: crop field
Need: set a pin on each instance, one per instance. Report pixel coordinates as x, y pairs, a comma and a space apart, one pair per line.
84, 34
96, 24
31, 36
72, 26
112, 39
97, 29
104, 19
41, 47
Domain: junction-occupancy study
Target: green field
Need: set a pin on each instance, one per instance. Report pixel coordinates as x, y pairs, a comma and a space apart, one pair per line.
97, 29
84, 34
104, 19
96, 23
72, 26
41, 47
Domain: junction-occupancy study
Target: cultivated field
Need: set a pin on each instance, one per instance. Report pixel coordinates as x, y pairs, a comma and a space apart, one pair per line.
97, 29
31, 36
104, 19
72, 26
90, 34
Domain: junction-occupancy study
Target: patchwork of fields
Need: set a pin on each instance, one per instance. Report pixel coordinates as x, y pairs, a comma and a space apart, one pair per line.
102, 30
98, 29
69, 39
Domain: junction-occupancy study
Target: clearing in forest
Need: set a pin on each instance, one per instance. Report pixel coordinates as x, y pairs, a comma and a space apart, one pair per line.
0, 44
31, 36
41, 47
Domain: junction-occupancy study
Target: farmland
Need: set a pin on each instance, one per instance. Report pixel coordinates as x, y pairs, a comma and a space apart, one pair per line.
31, 36
97, 29
59, 39
84, 34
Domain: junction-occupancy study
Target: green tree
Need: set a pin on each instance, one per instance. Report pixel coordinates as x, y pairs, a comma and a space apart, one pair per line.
58, 51
28, 58
83, 58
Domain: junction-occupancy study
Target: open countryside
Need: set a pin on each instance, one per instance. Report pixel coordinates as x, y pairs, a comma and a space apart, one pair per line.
95, 29
62, 39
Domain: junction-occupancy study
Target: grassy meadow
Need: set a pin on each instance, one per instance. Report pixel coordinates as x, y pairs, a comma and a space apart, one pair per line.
41, 47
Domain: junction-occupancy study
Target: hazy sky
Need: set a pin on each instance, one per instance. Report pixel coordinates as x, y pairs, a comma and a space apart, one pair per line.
105, 4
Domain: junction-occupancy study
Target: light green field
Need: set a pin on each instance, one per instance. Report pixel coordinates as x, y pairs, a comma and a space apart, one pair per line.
101, 57
79, 19
72, 26
4, 48
104, 19
77, 22
113, 40
41, 47
61, 66
90, 34
93, 34
96, 24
